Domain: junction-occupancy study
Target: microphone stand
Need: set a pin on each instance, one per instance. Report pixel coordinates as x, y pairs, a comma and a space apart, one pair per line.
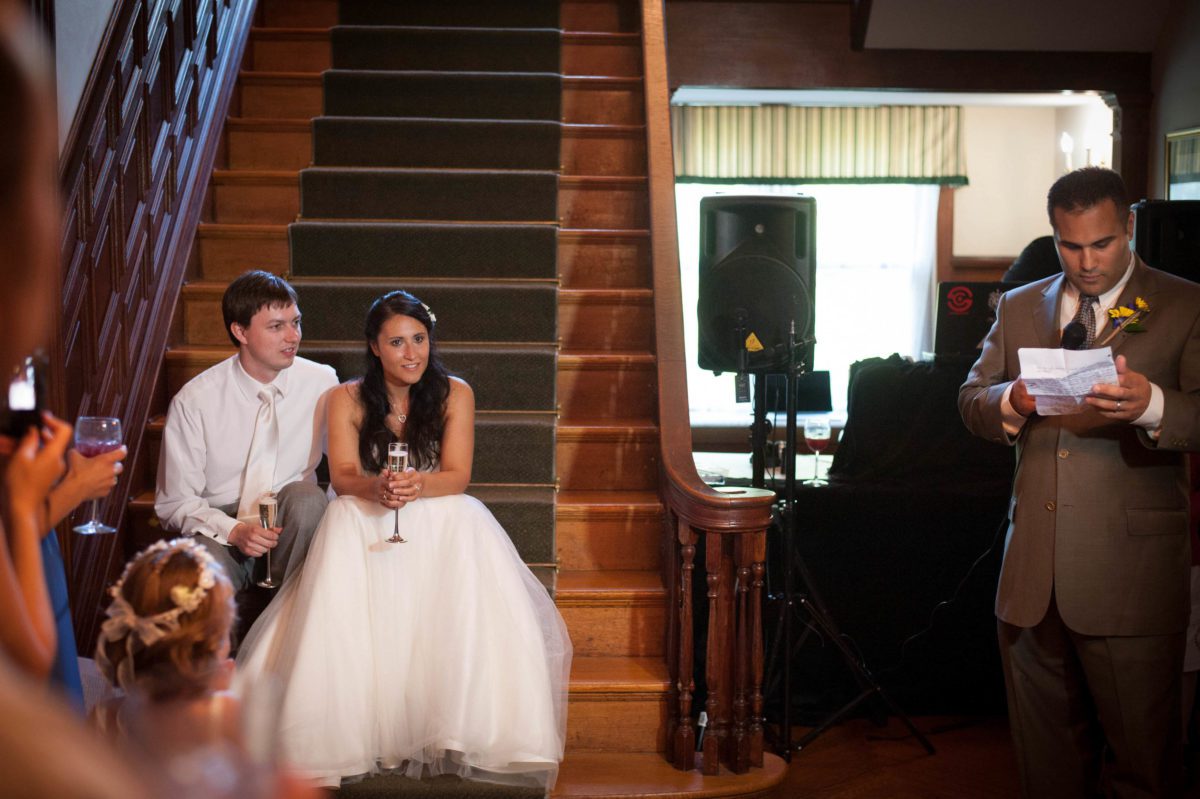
816, 616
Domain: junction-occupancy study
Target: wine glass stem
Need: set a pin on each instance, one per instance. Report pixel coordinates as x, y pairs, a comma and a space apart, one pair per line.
816, 466
93, 511
269, 566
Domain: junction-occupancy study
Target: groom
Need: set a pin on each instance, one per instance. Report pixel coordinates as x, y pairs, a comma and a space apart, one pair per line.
253, 423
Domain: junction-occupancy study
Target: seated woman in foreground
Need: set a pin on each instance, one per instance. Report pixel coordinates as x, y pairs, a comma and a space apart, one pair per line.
440, 654
165, 648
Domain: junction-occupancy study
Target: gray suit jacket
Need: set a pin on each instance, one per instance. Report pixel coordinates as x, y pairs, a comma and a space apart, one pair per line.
1099, 510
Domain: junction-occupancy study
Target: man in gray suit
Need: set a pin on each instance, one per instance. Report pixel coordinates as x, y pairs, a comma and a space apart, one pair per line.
1093, 595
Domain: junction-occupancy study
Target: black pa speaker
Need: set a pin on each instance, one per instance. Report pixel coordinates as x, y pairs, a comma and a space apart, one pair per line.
757, 275
1166, 235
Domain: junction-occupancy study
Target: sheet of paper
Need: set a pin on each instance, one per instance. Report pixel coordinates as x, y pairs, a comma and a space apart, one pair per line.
1060, 379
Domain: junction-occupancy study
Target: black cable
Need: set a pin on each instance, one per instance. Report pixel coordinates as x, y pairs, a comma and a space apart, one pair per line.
1000, 530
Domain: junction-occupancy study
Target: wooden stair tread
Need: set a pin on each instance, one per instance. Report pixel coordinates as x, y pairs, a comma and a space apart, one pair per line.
574, 587
293, 78
599, 775
427, 222
337, 220
263, 177
199, 352
595, 82
291, 124
236, 230
585, 294
601, 181
601, 128
287, 34
613, 674
605, 357
587, 234
607, 425
584, 498
601, 37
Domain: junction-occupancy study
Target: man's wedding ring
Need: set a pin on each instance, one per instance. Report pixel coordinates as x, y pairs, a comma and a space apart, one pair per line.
1118, 405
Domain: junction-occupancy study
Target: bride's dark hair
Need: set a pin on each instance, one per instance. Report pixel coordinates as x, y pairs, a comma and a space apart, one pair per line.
426, 400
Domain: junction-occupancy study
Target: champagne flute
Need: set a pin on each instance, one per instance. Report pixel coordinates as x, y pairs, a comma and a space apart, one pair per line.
816, 436
95, 435
268, 508
397, 462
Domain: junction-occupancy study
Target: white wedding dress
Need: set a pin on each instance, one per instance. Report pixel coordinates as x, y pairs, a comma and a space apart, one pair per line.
442, 655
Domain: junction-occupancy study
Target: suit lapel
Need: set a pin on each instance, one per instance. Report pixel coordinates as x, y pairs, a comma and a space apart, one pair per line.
1045, 314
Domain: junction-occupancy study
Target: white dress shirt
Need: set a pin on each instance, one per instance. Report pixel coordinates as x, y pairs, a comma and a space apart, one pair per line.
206, 442
1068, 305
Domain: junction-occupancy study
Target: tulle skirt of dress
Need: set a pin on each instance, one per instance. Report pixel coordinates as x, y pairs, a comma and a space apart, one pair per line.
442, 655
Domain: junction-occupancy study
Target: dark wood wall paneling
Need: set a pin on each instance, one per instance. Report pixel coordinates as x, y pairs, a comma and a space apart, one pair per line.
134, 172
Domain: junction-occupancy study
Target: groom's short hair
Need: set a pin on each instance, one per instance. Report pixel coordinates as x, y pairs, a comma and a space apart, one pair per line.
249, 293
1084, 188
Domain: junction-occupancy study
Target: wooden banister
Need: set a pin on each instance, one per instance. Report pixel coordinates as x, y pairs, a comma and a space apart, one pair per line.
134, 172
732, 524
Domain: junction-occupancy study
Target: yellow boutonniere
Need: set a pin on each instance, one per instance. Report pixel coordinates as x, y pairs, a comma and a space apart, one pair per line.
1128, 319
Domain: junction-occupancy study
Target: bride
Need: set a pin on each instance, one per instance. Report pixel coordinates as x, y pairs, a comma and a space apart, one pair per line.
439, 655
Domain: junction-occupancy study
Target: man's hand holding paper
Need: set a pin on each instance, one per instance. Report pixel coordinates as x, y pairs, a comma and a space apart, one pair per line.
1126, 398
1061, 381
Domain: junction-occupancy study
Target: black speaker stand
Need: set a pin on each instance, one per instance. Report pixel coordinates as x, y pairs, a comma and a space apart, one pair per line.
808, 608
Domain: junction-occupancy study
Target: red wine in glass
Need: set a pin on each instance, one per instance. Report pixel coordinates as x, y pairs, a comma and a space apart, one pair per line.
816, 436
817, 445
95, 435
91, 450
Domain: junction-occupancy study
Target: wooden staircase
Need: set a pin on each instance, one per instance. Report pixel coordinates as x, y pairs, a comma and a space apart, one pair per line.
609, 517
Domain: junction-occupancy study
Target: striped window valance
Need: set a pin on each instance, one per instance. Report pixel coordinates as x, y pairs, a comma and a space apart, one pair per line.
803, 144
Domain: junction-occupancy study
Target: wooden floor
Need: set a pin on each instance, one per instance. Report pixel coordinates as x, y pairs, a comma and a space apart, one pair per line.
856, 760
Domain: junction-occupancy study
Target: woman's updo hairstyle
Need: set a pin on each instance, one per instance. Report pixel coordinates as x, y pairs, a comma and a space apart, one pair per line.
168, 624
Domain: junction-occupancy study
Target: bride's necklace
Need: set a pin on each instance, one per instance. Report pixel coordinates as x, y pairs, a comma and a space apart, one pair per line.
400, 417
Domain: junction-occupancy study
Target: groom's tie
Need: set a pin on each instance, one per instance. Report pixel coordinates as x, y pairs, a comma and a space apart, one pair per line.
1087, 317
259, 476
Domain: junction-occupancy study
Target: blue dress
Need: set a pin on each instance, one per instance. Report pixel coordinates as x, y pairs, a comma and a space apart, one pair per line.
65, 673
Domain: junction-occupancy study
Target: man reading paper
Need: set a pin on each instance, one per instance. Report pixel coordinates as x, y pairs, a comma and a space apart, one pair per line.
1093, 601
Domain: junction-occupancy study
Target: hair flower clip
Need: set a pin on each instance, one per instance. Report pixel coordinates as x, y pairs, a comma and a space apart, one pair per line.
432, 315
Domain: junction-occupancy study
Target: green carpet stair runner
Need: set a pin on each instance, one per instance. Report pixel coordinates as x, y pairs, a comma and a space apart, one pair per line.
459, 143
411, 47
367, 193
449, 250
435, 170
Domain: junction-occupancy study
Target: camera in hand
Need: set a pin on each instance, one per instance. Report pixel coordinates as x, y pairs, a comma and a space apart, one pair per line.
22, 402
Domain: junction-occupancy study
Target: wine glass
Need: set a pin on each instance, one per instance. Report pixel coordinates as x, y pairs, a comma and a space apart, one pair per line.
397, 462
816, 436
268, 508
95, 435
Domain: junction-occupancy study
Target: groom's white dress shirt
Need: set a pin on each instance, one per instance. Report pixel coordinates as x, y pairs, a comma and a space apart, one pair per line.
206, 441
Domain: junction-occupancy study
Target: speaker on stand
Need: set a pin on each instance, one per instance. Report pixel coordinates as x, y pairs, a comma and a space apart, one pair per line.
756, 316
757, 278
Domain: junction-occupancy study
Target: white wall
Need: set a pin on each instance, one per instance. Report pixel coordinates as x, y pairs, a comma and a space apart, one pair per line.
79, 27
1012, 158
1090, 128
